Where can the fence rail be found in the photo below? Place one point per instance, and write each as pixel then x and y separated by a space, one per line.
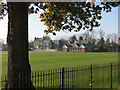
pixel 93 76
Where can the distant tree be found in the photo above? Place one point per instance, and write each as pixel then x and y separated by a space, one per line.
pixel 118 47
pixel 93 34
pixel 101 33
pixel 64 41
pixel 113 40
pixel 46 38
pixel 86 35
pixel 101 45
pixel 72 39
pixel 2 41
pixel 4 47
pixel 107 45
pixel 114 46
pixel 35 38
pixel 80 38
pixel 114 37
pixel 109 36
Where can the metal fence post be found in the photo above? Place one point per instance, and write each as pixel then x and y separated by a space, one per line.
pixel 1 83
pixel 111 75
pixel 91 76
pixel 63 78
pixel 119 72
pixel 19 81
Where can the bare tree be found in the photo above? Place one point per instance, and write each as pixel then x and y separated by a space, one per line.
pixel 86 35
pixel 2 41
pixel 114 37
pixel 93 34
pixel 108 36
pixel 73 39
pixel 101 33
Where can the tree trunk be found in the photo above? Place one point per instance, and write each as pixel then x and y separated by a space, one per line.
pixel 17 40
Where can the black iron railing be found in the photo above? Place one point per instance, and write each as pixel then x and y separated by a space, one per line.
pixel 93 76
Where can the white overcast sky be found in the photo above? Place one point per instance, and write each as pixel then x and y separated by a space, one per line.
pixel 109 24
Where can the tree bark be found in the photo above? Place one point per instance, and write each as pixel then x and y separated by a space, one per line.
pixel 17 39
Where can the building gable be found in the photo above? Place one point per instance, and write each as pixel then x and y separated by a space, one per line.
pixel 65 46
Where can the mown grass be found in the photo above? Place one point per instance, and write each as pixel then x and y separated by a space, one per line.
pixel 53 60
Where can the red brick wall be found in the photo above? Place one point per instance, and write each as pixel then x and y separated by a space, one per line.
pixel 82 50
pixel 65 50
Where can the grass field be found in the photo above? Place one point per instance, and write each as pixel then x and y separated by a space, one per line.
pixel 54 60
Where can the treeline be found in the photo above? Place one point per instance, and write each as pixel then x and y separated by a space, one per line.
pixel 99 41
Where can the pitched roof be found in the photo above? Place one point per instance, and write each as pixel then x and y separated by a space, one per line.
pixel 78 44
pixel 82 46
pixel 75 45
pixel 38 39
pixel 64 46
